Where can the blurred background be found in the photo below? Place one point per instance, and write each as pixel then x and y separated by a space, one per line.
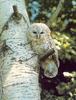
pixel 60 16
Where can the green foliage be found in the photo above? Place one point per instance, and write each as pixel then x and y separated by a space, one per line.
pixel 66 44
pixel 64 34
pixel 42 10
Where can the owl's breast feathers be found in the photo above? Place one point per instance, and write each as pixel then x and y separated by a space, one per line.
pixel 40 46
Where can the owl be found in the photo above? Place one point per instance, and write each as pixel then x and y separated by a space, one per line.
pixel 41 41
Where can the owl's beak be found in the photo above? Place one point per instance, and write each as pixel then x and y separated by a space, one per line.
pixel 38 36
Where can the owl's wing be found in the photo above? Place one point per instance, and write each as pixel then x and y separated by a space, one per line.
pixel 55 54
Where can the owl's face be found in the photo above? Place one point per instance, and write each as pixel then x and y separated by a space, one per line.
pixel 39 31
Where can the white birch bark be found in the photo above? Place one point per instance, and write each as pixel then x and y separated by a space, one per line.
pixel 18 64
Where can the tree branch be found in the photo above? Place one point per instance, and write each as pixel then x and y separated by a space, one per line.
pixel 46 55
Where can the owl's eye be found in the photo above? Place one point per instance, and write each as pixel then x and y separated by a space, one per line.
pixel 42 33
pixel 35 32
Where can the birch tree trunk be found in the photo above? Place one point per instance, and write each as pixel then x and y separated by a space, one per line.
pixel 18 63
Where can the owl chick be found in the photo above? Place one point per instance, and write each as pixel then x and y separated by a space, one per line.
pixel 41 41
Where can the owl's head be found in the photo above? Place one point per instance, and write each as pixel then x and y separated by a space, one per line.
pixel 38 31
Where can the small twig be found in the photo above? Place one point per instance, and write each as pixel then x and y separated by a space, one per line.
pixel 16 13
pixel 47 54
